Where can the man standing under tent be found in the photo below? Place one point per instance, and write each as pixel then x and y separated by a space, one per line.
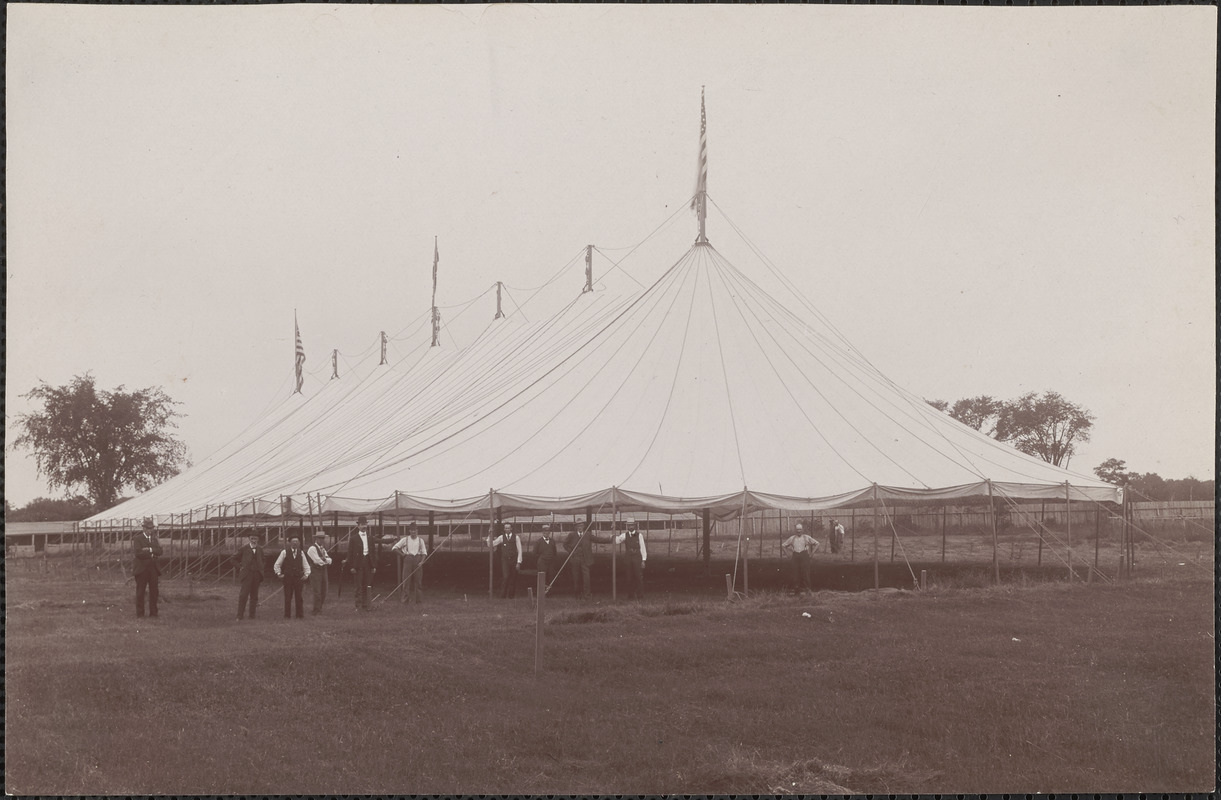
pixel 544 548
pixel 581 558
pixel 362 561
pixel 411 551
pixel 250 568
pixel 145 568
pixel 837 536
pixel 509 545
pixel 320 562
pixel 637 554
pixel 801 545
pixel 292 567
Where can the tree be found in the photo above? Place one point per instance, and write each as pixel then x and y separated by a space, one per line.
pixel 46 509
pixel 1115 470
pixel 1046 425
pixel 101 441
pixel 978 412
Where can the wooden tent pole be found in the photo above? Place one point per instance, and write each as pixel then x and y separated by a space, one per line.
pixel 707 542
pixel 746 548
pixel 996 563
pixel 1068 522
pixel 614 547
pixel 491 532
pixel 876 583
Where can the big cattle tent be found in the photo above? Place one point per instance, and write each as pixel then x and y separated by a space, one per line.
pixel 698 392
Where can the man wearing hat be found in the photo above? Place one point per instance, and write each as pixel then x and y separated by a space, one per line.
pixel 361 561
pixel 145 568
pixel 544 548
pixel 411 551
pixel 637 554
pixel 319 564
pixel 250 568
pixel 510 559
pixel 801 545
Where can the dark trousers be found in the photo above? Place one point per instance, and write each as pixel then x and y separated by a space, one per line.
pixel 362 580
pixel 413 574
pixel 801 564
pixel 292 593
pixel 146 581
pixel 580 578
pixel 318 581
pixel 508 576
pixel 248 593
pixel 635 576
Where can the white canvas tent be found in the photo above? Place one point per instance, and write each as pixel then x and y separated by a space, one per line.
pixel 699 392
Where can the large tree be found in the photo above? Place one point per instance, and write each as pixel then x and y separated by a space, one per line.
pixel 101 441
pixel 1044 425
pixel 1115 470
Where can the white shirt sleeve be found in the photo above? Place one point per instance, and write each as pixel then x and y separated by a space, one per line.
pixel 496 542
pixel 279 561
pixel 644 551
pixel 619 537
pixel 518 540
pixel 305 566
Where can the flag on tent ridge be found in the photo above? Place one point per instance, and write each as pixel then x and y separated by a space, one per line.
pixel 701 177
pixel 300 355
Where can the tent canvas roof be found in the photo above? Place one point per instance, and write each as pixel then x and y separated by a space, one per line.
pixel 701 391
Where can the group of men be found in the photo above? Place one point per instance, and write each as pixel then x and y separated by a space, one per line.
pixel 295 566
pixel 577 552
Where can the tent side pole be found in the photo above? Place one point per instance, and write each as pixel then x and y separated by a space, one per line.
pixel 707 542
pixel 996 563
pixel 876 584
pixel 943 534
pixel 614 547
pixel 1068 522
pixel 491 531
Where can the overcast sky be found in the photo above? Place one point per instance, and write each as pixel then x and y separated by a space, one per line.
pixel 983 200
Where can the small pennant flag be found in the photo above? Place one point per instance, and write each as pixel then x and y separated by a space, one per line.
pixel 701 177
pixel 300 355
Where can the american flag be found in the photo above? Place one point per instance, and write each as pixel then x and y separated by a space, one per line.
pixel 436 256
pixel 701 177
pixel 300 356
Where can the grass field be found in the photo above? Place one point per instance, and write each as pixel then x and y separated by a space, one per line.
pixel 1046 687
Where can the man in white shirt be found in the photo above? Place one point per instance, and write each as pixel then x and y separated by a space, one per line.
pixel 801 545
pixel 292 567
pixel 361 561
pixel 837 536
pixel 319 563
pixel 636 552
pixel 510 559
pixel 411 551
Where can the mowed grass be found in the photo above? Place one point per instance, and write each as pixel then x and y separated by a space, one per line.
pixel 1051 687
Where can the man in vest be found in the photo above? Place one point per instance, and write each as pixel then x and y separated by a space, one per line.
pixel 145 569
pixel 544 548
pixel 319 564
pixel 249 574
pixel 363 555
pixel 581 558
pixel 292 567
pixel 801 545
pixel 637 554
pixel 411 551
pixel 509 545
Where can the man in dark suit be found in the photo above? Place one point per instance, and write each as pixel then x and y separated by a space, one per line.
pixel 544 548
pixel 145 568
pixel 361 561
pixel 250 575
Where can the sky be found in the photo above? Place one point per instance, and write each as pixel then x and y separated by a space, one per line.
pixel 983 200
